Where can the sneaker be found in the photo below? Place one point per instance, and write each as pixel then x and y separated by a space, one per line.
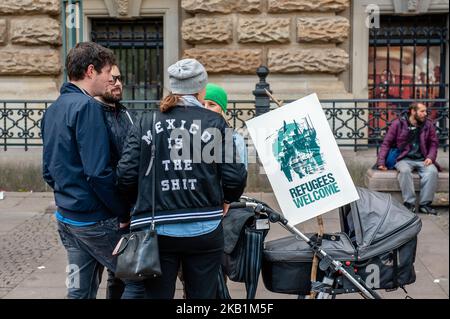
pixel 410 207
pixel 426 209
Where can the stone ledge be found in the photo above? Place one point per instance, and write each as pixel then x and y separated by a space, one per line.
pixel 17 86
pixel 386 181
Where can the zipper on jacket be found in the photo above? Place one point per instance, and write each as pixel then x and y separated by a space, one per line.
pixel 116 124
pixel 129 117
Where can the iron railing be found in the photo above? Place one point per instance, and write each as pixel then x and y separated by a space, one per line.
pixel 407 57
pixel 356 123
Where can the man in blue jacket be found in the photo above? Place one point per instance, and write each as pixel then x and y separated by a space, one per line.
pixel 76 164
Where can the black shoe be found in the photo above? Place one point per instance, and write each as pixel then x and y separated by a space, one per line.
pixel 410 207
pixel 426 209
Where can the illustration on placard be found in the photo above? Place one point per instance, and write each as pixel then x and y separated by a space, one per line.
pixel 297 149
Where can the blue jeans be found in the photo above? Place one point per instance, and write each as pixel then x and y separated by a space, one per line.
pixel 428 181
pixel 89 249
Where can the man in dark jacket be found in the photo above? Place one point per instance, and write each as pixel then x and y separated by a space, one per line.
pixel 76 164
pixel 118 121
pixel 416 136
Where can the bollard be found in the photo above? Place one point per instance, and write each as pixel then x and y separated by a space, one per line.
pixel 262 100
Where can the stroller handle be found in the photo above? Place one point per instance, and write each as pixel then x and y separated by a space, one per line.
pixel 274 216
pixel 238 205
pixel 335 265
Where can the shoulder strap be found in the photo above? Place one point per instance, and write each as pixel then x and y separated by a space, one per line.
pixel 154 171
pixel 150 165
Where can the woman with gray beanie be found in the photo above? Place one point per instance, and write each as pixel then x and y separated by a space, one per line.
pixel 194 176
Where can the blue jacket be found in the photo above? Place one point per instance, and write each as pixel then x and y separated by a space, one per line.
pixel 76 158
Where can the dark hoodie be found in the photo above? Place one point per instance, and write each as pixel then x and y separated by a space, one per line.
pixel 76 158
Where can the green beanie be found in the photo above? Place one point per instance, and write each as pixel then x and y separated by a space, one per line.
pixel 217 94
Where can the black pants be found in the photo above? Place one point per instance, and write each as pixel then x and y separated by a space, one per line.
pixel 200 258
pixel 114 286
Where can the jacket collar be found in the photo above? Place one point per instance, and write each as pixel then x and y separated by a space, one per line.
pixel 405 120
pixel 69 87
pixel 113 109
pixel 191 101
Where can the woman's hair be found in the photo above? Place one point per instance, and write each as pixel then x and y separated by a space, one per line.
pixel 224 115
pixel 171 100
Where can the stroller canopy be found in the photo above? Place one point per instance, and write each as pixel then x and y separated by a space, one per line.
pixel 378 222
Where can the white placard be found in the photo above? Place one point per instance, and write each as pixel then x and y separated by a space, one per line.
pixel 302 160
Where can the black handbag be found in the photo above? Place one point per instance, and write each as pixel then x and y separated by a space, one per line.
pixel 138 252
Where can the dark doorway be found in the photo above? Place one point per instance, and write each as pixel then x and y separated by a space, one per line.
pixel 138 46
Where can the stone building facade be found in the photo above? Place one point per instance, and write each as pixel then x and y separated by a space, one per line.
pixel 309 45
pixel 319 46
pixel 303 43
pixel 30 49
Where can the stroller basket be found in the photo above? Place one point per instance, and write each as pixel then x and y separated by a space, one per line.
pixel 378 240
pixel 375 249
pixel 287 262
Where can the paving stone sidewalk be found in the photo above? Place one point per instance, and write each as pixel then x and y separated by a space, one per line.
pixel 33 261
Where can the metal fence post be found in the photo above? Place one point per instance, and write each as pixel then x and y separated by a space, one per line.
pixel 262 100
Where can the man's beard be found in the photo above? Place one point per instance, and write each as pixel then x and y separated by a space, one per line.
pixel 419 120
pixel 108 97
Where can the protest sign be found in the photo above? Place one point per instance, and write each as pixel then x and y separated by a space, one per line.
pixel 302 160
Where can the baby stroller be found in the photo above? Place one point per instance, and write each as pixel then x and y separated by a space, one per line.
pixel 375 249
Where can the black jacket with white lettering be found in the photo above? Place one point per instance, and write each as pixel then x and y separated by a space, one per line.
pixel 192 186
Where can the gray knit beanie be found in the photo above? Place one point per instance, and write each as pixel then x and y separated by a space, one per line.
pixel 187 76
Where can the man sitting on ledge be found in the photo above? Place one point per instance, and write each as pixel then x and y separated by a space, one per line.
pixel 416 136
